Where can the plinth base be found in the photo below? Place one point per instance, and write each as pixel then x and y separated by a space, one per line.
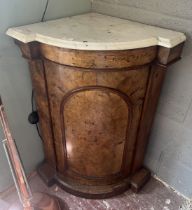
pixel 136 182
pixel 139 179
pixel 95 192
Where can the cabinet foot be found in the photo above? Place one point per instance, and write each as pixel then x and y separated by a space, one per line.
pixel 94 192
pixel 51 177
pixel 139 179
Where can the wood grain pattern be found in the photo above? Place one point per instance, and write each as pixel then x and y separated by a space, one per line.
pixel 96 110
pixel 131 83
pixel 95 121
pixel 156 78
pixel 99 59
pixel 29 51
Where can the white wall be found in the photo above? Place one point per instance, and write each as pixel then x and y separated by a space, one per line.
pixel 170 149
pixel 15 83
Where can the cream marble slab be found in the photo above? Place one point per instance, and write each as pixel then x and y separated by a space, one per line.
pixel 94 31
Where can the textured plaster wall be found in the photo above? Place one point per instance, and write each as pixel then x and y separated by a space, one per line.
pixel 15 83
pixel 170 149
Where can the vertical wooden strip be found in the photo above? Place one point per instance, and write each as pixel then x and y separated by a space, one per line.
pixel 41 96
pixel 156 79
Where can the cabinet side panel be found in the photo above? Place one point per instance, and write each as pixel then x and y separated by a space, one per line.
pixel 155 82
pixel 39 85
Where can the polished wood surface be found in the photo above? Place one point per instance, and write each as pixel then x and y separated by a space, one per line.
pixel 95 117
pixel 96 111
pixel 99 59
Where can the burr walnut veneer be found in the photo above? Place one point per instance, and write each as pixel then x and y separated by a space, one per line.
pixel 96 110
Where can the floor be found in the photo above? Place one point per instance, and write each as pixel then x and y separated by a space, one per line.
pixel 154 196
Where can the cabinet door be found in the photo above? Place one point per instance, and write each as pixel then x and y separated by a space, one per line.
pixel 95 116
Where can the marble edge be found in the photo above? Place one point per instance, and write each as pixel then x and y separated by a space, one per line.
pixel 12 32
pixel 153 41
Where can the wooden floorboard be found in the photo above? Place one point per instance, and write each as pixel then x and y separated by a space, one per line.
pixel 154 196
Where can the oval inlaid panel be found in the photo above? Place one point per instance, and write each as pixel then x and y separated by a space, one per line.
pixel 95 123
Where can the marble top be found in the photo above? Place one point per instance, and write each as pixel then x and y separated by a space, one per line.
pixel 94 31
